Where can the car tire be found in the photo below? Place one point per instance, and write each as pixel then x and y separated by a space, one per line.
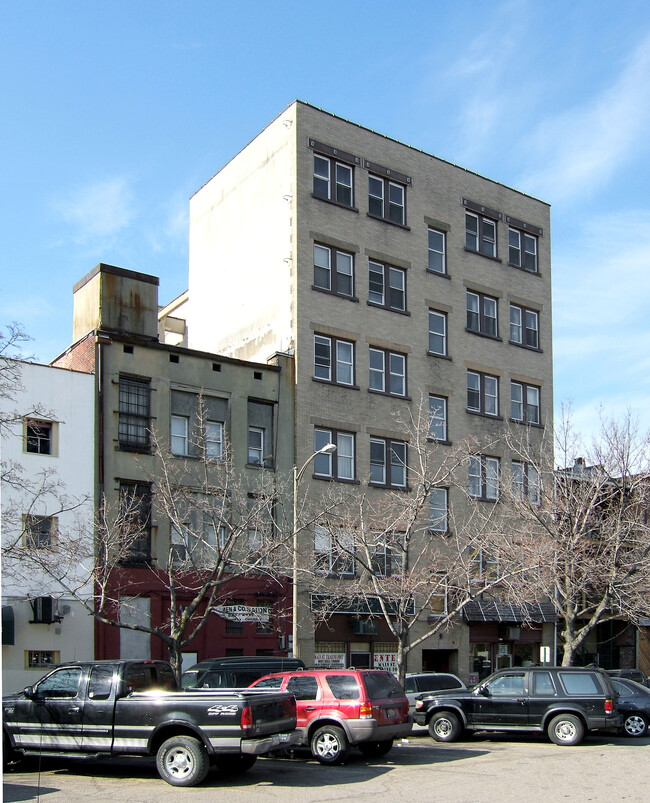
pixel 234 765
pixel 376 748
pixel 444 726
pixel 329 745
pixel 634 725
pixel 566 730
pixel 182 761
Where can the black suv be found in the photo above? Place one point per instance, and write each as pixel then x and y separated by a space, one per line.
pixel 564 702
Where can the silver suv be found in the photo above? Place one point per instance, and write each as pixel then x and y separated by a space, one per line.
pixel 417 683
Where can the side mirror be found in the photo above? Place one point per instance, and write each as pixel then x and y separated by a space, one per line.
pixel 29 692
pixel 485 691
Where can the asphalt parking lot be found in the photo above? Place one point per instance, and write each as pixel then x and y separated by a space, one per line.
pixel 482 769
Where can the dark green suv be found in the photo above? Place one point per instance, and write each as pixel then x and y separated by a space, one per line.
pixel 563 702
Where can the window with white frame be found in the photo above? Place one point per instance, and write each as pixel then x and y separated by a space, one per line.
pixel 483 477
pixel 260 433
pixel 333 180
pixel 482 315
pixel 485 566
pixel 524 326
pixel 386 286
pixel 333 360
pixel 525 482
pixel 214 440
pixel 39 531
pixel 387 372
pixel 439 510
pixel 480 234
pixel 437 333
pixel 386 199
pixel 255 446
pixel 437 417
pixel 180 425
pixel 387 463
pixel 387 555
pixel 333 270
pixel 437 251
pixel 339 465
pixel 334 551
pixel 482 393
pixel 524 403
pixel 522 250
pixel 438 601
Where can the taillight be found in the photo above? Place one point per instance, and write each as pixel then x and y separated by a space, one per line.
pixel 609 706
pixel 246 718
pixel 365 710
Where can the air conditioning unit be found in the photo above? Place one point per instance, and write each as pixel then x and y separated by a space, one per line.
pixel 365 627
pixel 513 633
pixel 44 610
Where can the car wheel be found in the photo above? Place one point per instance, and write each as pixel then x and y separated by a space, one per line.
pixel 635 725
pixel 445 727
pixel 182 761
pixel 234 765
pixel 375 749
pixel 329 745
pixel 566 729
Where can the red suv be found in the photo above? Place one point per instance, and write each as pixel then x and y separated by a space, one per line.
pixel 338 708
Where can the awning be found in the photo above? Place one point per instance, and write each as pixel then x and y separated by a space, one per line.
pixel 355 606
pixel 490 611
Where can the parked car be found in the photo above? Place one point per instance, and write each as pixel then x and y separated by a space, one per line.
pixel 339 708
pixel 236 672
pixel 629 674
pixel 417 683
pixel 634 706
pixel 564 702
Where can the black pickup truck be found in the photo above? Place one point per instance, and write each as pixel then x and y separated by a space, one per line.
pixel 133 707
pixel 564 702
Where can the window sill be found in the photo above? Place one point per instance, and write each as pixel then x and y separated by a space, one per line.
pixel 327 292
pixel 525 423
pixel 388 309
pixel 260 466
pixel 484 415
pixel 334 384
pixel 390 222
pixel 484 334
pixel 445 442
pixel 444 275
pixel 334 479
pixel 481 254
pixel 439 356
pixel 386 487
pixel 524 346
pixel 331 202
pixel 524 270
pixel 125 447
pixel 389 395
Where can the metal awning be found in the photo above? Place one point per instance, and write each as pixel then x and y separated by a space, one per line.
pixel 355 606
pixel 490 611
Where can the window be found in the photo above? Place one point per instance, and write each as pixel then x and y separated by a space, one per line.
pixel 437 251
pixel 438 333
pixel 386 200
pixel 483 477
pixel 482 393
pixel 134 413
pixel 201 538
pixel 438 418
pixel 439 510
pixel 524 403
pixel 507 686
pixel 39 437
pixel 214 439
pixel 39 531
pixel 135 515
pixel 485 566
pixel 334 551
pixel 340 464
pixel 260 434
pixel 387 286
pixel 333 180
pixel 387 556
pixel 333 360
pixel 179 434
pixel 387 463
pixel 438 607
pixel 524 326
pixel 482 314
pixel 333 270
pixel 522 250
pixel 525 482
pixel 387 372
pixel 41 659
pixel 480 234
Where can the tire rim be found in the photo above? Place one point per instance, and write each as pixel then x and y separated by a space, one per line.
pixel 565 730
pixel 443 727
pixel 634 725
pixel 179 763
pixel 327 746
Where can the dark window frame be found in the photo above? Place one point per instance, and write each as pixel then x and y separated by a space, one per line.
pixel 387 206
pixel 386 287
pixel 387 373
pixel 334 361
pixel 484 479
pixel 337 278
pixel 518 255
pixel 480 235
pixel 480 315
pixel 390 448
pixel 134 413
pixel 481 390
pixel 526 407
pixel 523 328
pixel 333 460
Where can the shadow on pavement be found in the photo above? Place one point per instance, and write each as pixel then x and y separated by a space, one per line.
pixel 12 793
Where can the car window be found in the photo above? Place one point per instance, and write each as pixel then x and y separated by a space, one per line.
pixel 580 683
pixel 101 682
pixel 507 685
pixel 543 683
pixel 439 682
pixel 382 684
pixel 303 687
pixel 410 685
pixel 269 683
pixel 343 687
pixel 62 683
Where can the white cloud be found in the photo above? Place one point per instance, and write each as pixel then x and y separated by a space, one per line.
pixel 97 211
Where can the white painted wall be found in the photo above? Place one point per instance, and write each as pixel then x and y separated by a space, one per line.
pixel 66 398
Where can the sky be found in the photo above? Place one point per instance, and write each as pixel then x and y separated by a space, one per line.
pixel 113 114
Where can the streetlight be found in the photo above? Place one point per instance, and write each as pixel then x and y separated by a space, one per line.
pixel 329 448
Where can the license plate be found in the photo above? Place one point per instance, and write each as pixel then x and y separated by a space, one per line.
pixel 390 713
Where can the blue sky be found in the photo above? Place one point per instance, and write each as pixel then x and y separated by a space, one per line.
pixel 115 113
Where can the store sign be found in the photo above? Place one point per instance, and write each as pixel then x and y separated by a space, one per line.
pixel 329 660
pixel 385 660
pixel 243 613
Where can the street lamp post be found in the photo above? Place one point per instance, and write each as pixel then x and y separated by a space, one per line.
pixel 329 448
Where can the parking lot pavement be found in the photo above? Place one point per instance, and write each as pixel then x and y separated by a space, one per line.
pixel 482 769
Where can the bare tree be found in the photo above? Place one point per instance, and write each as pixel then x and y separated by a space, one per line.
pixel 590 517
